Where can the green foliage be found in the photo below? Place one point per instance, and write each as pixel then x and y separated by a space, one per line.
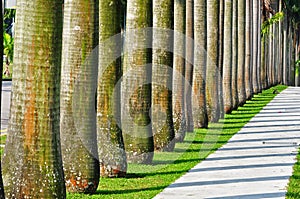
pixel 297 67
pixel 8 16
pixel 8 41
pixel 292 8
pixel 8 46
pixel 265 30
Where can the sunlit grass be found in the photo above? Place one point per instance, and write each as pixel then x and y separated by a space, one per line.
pixel 145 181
pixel 293 190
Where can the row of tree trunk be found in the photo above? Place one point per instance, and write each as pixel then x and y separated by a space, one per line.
pixel 199 60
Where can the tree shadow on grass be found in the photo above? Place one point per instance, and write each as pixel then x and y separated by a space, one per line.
pixel 127 191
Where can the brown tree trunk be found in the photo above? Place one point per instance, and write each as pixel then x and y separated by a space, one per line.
pixel 199 77
pixel 212 78
pixel 227 64
pixel 189 64
pixel 32 163
pixel 162 70
pixel 78 116
pixel 241 52
pixel 179 119
pixel 235 99
pixel 248 63
pixel 112 156
pixel 136 84
pixel 1 69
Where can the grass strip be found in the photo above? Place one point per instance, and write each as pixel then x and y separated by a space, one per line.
pixel 146 181
pixel 293 189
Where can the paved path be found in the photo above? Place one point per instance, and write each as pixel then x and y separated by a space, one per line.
pixel 256 162
pixel 5 105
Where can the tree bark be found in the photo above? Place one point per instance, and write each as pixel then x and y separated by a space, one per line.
pixel 199 77
pixel 255 30
pixel 136 84
pixel 112 156
pixel 1 69
pixel 77 121
pixel 227 63
pixel 178 101
pixel 189 64
pixel 248 63
pixel 235 98
pixel 241 52
pixel 212 78
pixel 32 163
pixel 162 70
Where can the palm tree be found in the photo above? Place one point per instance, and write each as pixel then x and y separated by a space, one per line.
pixel 235 99
pixel 32 163
pixel 111 149
pixel 162 65
pixel 227 63
pixel 241 52
pixel 1 69
pixel 199 77
pixel 248 52
pixel 189 64
pixel 221 55
pixel 255 30
pixel 259 47
pixel 78 123
pixel 212 78
pixel 179 119
pixel 136 87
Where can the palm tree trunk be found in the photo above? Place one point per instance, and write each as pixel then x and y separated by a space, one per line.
pixel 112 156
pixel 235 99
pixel 259 42
pixel 255 30
pixel 78 123
pixel 241 52
pixel 248 63
pixel 32 163
pixel 227 64
pixel 1 69
pixel 221 56
pixel 199 77
pixel 292 55
pixel 189 65
pixel 179 119
pixel 136 84
pixel 285 53
pixel 162 69
pixel 212 78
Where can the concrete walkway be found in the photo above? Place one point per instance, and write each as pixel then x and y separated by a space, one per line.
pixel 256 162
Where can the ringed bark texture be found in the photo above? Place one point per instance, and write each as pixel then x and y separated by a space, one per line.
pixel 112 156
pixel 212 76
pixel 162 70
pixel 136 83
pixel 1 69
pixel 241 52
pixel 248 52
pixel 179 119
pixel 255 30
pixel 235 98
pixel 227 62
pixel 189 64
pixel 78 118
pixel 32 163
pixel 199 77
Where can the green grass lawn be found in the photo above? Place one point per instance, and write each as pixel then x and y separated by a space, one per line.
pixel 293 191
pixel 145 181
